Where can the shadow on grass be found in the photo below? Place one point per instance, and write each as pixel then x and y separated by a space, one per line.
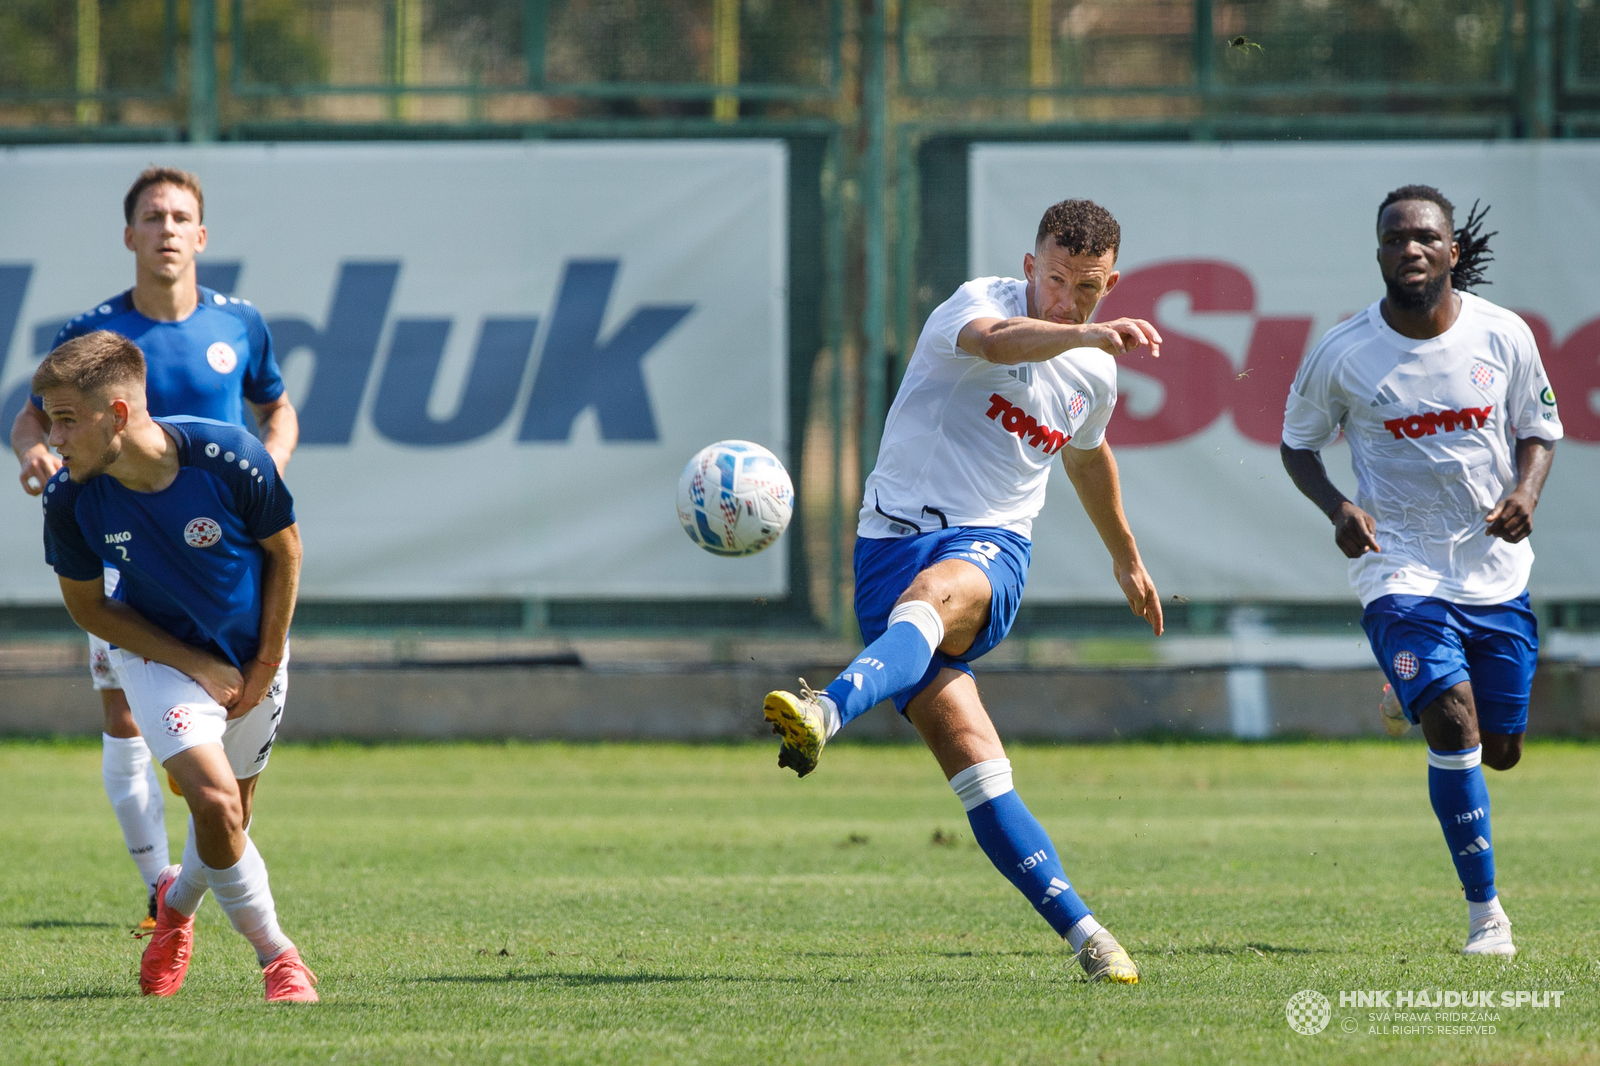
pixel 913 953
pixel 1246 949
pixel 599 980
pixel 63 923
pixel 60 997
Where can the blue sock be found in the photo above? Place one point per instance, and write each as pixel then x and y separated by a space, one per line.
pixel 891 664
pixel 1017 844
pixel 1461 802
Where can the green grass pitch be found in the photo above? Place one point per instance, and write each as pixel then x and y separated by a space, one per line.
pixel 651 903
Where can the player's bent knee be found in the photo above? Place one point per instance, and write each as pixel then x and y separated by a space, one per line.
pixel 1502 753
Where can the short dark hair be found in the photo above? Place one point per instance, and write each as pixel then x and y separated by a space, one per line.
pixel 1475 255
pixel 1081 227
pixel 153 175
pixel 91 364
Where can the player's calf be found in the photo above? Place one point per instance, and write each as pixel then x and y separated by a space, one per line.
pixel 1021 850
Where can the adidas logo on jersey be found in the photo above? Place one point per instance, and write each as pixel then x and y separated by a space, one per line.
pixel 1385 395
pixel 1431 422
pixel 1014 419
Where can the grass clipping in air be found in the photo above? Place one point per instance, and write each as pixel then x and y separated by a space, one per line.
pixel 648 903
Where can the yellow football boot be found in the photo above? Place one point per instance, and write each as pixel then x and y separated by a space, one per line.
pixel 1395 722
pixel 1103 959
pixel 799 721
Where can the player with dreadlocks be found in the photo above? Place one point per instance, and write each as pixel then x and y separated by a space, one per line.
pixel 1452 428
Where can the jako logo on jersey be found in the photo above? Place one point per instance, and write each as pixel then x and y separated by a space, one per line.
pixel 177 721
pixel 221 356
pixel 1431 422
pixel 118 538
pixel 1406 665
pixel 202 533
pixel 1015 420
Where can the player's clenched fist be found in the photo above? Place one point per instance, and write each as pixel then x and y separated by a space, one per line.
pixel 1122 335
pixel 39 465
pixel 1354 530
pixel 220 679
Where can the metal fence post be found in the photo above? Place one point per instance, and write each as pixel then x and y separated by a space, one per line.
pixel 874 106
pixel 1540 116
pixel 1041 60
pixel 725 58
pixel 202 71
pixel 88 80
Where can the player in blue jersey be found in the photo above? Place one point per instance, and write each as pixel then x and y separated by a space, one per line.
pixel 196 519
pixel 208 355
pixel 1007 374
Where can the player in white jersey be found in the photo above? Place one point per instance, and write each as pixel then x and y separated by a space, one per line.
pixel 1007 375
pixel 1452 427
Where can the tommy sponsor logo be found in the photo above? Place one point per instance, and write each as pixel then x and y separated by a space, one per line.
pixel 202 533
pixel 1015 420
pixel 1431 422
pixel 1477 847
pixel 177 721
pixel 1406 665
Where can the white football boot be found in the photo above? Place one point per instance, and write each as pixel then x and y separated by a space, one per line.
pixel 1492 936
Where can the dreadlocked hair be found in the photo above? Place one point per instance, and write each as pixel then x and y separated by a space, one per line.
pixel 1470 238
pixel 1474 244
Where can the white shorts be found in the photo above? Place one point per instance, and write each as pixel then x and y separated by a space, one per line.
pixel 101 672
pixel 174 713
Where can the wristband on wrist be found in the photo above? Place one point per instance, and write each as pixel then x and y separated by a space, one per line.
pixel 264 662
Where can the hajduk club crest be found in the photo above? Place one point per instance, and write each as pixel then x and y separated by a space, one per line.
pixel 202 533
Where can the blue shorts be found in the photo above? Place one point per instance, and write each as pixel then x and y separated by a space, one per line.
pixel 886 567
pixel 1427 646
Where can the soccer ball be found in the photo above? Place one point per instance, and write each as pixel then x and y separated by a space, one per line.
pixel 735 498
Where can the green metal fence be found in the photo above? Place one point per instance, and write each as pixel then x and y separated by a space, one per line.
pixel 878 100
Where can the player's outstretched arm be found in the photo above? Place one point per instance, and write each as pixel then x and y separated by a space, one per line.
pixel 1512 518
pixel 1354 530
pixel 1093 474
pixel 29 433
pixel 116 623
pixel 280 587
pixel 1009 341
pixel 280 429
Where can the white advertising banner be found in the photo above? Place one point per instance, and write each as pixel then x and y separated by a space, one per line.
pixel 1243 256
pixel 502 355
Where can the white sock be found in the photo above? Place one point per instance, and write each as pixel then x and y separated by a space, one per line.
pixel 830 714
pixel 982 782
pixel 245 897
pixel 1478 914
pixel 1080 933
pixel 135 794
pixel 184 894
